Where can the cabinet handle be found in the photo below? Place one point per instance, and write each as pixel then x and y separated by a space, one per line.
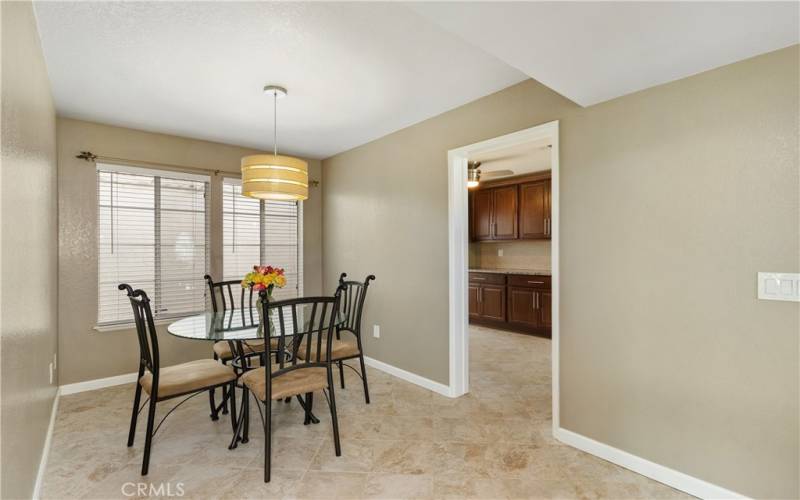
pixel 547 226
pixel 536 282
pixel 477 278
pixel 533 304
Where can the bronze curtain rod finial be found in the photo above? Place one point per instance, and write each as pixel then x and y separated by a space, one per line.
pixel 87 155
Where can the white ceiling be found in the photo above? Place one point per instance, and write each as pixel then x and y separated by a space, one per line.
pixel 358 71
pixel 594 51
pixel 354 71
pixel 514 160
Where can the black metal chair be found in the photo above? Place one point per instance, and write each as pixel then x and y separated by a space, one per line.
pixel 294 375
pixel 222 298
pixel 353 295
pixel 186 379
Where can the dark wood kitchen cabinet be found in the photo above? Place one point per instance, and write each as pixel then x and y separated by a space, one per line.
pixel 534 210
pixel 493 214
pixel 511 209
pixel 481 215
pixel 487 296
pixel 516 302
pixel 504 213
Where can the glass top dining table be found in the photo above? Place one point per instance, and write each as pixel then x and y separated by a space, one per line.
pixel 242 324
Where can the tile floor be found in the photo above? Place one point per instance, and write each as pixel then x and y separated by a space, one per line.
pixel 409 443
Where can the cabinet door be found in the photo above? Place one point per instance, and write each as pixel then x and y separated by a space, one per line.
pixel 471 215
pixel 482 215
pixel 505 213
pixel 522 306
pixel 533 209
pixel 493 302
pixel 474 304
pixel 545 309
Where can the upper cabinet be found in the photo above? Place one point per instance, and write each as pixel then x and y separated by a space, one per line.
pixel 511 209
pixel 505 213
pixel 493 214
pixel 534 210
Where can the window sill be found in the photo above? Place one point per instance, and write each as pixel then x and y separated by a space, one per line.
pixel 131 325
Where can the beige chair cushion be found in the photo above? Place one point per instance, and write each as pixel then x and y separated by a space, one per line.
pixel 188 377
pixel 223 349
pixel 340 349
pixel 298 381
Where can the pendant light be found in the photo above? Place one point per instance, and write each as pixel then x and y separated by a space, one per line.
pixel 274 177
pixel 473 174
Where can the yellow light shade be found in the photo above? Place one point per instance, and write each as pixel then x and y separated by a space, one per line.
pixel 274 177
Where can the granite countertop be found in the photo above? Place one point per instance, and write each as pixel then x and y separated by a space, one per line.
pixel 530 272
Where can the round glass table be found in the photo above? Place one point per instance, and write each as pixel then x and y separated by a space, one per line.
pixel 238 326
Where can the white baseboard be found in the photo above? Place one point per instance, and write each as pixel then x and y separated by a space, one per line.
pixel 37 487
pixel 660 473
pixel 99 383
pixel 429 384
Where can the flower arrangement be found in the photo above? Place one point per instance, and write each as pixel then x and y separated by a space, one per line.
pixel 264 278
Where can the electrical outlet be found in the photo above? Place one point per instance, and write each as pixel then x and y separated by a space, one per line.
pixel 51 373
pixel 376 331
pixel 499 252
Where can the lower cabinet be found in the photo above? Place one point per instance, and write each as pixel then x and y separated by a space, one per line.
pixel 528 307
pixel 487 302
pixel 493 302
pixel 514 302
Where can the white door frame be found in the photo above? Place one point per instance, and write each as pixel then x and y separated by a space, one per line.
pixel 458 222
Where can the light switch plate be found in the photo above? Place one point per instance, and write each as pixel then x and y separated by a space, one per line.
pixel 779 286
pixel 376 331
pixel 499 252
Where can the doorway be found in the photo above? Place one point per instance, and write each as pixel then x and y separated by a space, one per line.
pixel 458 229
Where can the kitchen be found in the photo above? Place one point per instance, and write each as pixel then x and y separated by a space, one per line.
pixel 509 239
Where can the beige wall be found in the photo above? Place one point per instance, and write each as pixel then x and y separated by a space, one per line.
pixel 28 314
pixel 86 354
pixel 671 200
pixel 522 254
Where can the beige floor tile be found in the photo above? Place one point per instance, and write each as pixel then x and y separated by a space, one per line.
pixel 397 486
pixel 317 484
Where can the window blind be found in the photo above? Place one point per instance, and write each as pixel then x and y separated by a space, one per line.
pixel 153 235
pixel 261 232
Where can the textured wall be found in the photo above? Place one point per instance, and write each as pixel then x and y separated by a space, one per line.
pixel 28 310
pixel 85 353
pixel 671 200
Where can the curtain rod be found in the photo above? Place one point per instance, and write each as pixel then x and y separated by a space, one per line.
pixel 93 158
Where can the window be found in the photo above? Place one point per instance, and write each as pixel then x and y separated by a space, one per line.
pixel 153 235
pixel 261 232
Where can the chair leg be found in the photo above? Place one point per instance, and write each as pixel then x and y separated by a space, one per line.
pixel 224 392
pixel 364 378
pixel 341 373
pixel 309 404
pixel 232 399
pixel 246 416
pixel 267 439
pixel 148 440
pixel 334 419
pixel 213 404
pixel 134 414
